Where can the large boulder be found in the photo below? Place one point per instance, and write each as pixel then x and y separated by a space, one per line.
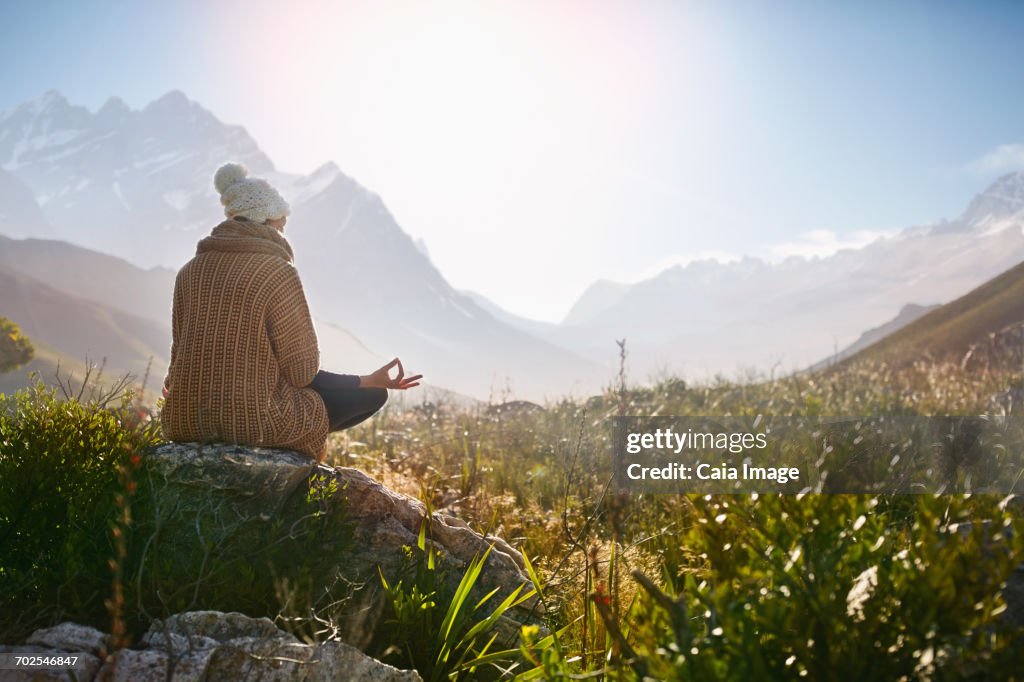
pixel 206 495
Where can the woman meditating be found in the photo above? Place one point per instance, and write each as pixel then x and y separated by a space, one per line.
pixel 245 364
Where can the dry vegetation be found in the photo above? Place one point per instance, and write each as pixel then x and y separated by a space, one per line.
pixel 724 587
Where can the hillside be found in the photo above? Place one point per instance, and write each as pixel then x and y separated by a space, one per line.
pixel 907 314
pixel 949 331
pixel 49 364
pixel 87 273
pixel 71 329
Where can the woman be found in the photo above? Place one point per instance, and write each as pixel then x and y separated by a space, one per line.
pixel 245 364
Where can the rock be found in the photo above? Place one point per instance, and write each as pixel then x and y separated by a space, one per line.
pixel 146 665
pixel 340 661
pixel 70 637
pixel 209 645
pixel 199 646
pixel 211 494
pixel 129 665
pixel 213 627
pixel 258 480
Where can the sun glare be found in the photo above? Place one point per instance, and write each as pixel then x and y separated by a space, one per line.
pixel 517 126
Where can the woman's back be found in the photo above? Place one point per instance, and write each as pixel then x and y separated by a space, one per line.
pixel 244 346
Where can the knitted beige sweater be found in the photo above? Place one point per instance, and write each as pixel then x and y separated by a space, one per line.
pixel 244 347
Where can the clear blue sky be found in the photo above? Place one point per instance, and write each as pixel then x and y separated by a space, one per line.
pixel 578 140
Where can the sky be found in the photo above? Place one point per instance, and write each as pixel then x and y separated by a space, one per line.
pixel 538 146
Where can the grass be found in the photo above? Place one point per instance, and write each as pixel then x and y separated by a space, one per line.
pixel 673 587
pixel 722 586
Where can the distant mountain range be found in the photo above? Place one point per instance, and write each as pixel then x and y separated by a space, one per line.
pixel 710 317
pixel 136 186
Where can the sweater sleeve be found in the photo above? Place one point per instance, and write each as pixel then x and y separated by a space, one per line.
pixel 291 331
pixel 176 315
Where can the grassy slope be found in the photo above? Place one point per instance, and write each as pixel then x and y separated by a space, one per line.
pixel 949 331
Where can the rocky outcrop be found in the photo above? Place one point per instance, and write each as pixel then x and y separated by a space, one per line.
pixel 231 491
pixel 198 646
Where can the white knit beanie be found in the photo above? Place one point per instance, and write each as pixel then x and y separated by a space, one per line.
pixel 251 198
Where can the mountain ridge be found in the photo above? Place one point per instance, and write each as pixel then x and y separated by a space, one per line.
pixel 948 332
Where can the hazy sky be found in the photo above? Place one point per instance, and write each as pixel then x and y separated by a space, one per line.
pixel 538 146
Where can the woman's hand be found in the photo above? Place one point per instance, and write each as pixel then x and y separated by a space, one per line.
pixel 382 378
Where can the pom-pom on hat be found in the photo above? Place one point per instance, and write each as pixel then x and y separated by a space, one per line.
pixel 251 198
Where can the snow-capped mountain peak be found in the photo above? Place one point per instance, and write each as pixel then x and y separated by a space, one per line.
pixel 173 100
pixel 113 107
pixel 1003 198
pixel 49 101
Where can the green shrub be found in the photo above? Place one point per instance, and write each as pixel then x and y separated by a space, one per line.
pixel 59 464
pixel 15 348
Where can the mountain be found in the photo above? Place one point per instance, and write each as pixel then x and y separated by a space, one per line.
pixel 20 215
pixel 1001 203
pixel 122 181
pixel 342 352
pixel 598 297
pixel 710 317
pixel 907 314
pixel 948 332
pixel 525 324
pixel 90 274
pixel 137 184
pixel 362 271
pixel 78 328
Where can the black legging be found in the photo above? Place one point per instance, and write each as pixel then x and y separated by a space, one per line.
pixel 347 404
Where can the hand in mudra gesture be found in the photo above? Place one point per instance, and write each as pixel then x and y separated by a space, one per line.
pixel 382 378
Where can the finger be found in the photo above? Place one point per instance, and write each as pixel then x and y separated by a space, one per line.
pixel 405 386
pixel 401 370
pixel 387 367
pixel 417 377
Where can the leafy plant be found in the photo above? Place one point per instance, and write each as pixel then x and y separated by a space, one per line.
pixel 456 642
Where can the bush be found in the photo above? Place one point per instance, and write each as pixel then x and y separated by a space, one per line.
pixel 15 348
pixel 59 467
